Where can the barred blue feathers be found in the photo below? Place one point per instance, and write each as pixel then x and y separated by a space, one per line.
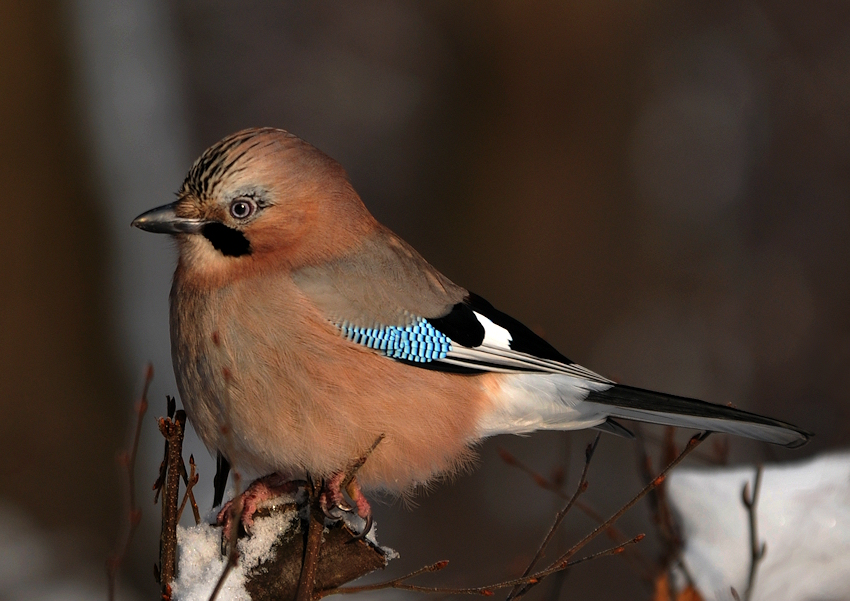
pixel 420 342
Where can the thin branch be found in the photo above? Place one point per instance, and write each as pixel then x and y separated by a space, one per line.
pixel 633 556
pixel 315 525
pixel 693 443
pixel 170 409
pixel 559 518
pixel 172 430
pixel 546 484
pixel 140 410
pixel 235 509
pixel 487 591
pixel 662 514
pixel 349 590
pixel 190 495
pixel 716 455
pixel 351 470
pixel 612 551
pixel 191 481
pixel 127 460
pixel 757 551
pixel 232 559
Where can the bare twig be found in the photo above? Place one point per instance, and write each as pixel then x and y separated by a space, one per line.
pixel 235 510
pixel 127 460
pixel 487 591
pixel 693 443
pixel 561 562
pixel 757 551
pixel 315 521
pixel 191 481
pixel 559 518
pixel 170 409
pixel 546 484
pixel 171 470
pixel 190 495
pixel 232 559
pixel 348 590
pixel 662 514
pixel 716 454
pixel 611 551
pixel 353 467
pixel 633 554
pixel 315 525
pixel 172 430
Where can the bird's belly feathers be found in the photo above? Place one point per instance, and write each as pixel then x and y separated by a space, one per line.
pixel 276 388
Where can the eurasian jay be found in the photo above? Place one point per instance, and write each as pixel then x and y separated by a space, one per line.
pixel 303 331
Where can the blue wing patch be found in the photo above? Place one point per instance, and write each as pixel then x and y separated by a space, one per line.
pixel 420 342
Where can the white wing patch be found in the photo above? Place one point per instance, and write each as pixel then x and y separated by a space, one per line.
pixel 494 335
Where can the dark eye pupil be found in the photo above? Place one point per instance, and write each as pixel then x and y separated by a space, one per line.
pixel 240 209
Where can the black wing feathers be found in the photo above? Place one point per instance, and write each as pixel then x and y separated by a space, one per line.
pixel 523 340
pixel 463 327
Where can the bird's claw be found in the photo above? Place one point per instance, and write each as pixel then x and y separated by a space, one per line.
pixel 332 500
pixel 330 509
pixel 365 532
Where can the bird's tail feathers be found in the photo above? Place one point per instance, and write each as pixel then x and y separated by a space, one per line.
pixel 617 429
pixel 627 402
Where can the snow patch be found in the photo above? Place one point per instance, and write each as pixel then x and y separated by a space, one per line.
pixel 803 514
pixel 200 562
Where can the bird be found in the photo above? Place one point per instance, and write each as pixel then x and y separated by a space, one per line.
pixel 308 339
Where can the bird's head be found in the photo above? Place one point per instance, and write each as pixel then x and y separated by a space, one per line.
pixel 261 195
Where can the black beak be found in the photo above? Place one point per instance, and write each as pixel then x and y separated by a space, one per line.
pixel 163 220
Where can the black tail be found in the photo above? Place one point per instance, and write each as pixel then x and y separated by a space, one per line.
pixel 222 469
pixel 646 406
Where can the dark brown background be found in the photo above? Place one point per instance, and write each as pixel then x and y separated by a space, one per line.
pixel 662 190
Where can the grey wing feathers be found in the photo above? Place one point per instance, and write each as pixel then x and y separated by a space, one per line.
pixel 384 283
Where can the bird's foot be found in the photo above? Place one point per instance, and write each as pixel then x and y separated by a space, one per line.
pixel 247 503
pixel 332 499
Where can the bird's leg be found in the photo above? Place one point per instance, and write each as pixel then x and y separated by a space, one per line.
pixel 261 489
pixel 364 510
pixel 332 496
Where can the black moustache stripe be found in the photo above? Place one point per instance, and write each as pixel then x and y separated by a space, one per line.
pixel 226 240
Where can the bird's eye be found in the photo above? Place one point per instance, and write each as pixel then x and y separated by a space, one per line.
pixel 242 208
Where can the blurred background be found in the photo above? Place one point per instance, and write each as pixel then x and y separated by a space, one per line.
pixel 661 189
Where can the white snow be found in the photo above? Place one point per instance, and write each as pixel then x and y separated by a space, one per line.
pixel 200 562
pixel 803 514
